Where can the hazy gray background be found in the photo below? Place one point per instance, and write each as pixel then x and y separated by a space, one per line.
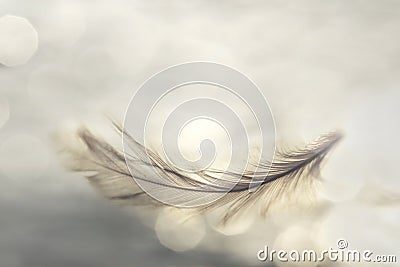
pixel 322 65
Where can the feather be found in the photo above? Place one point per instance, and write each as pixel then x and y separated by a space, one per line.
pixel 106 169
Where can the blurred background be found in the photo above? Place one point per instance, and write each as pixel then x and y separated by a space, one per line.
pixel 322 65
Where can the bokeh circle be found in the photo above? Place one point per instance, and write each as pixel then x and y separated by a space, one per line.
pixel 219 99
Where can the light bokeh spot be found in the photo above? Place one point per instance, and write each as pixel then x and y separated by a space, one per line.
pixel 18 40
pixel 4 111
pixel 178 231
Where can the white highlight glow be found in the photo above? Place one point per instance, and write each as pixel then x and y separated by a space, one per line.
pixel 18 40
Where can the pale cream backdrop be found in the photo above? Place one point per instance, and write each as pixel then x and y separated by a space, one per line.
pixel 322 65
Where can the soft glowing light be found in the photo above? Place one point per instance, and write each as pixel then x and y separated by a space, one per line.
pixel 179 231
pixel 18 41
pixel 4 111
